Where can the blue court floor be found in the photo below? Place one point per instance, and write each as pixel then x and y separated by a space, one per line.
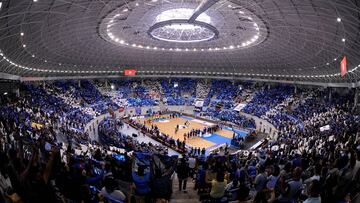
pixel 187 118
pixel 218 139
pixel 239 132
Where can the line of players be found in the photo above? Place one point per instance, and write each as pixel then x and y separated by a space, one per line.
pixel 150 120
pixel 198 132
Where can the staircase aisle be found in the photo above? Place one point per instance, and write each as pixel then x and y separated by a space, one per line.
pixel 181 197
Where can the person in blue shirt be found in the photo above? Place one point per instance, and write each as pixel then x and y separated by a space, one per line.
pixel 251 170
pixel 141 180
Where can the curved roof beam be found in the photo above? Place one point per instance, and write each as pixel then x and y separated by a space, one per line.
pixel 203 6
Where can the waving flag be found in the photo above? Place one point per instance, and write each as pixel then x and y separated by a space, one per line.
pixel 129 72
pixel 343 67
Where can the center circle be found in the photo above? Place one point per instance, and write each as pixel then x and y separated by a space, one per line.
pixel 181 31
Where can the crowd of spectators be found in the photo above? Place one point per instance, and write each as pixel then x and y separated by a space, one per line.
pixel 304 163
pixel 229 116
pixel 266 99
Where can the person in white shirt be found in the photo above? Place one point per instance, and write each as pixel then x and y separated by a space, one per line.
pixel 316 176
pixel 109 191
pixel 5 183
pixel 192 165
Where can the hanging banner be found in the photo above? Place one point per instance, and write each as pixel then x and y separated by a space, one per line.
pixel 343 67
pixel 129 72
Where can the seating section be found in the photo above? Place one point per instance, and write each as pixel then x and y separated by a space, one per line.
pixel 46 156
pixel 266 99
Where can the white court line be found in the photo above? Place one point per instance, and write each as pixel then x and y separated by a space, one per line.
pixel 203 122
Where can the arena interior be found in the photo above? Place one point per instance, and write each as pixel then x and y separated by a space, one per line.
pixel 180 101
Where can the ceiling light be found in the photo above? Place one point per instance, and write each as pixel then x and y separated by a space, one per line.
pixel 22 34
pixel 125 10
pixel 338 20
pixel 35 0
pixel 137 4
pixel 343 40
pixel 181 13
pixel 24 45
pixel 327 64
pixel 33 55
pixel 335 59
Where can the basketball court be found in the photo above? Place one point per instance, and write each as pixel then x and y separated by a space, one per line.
pixel 168 125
